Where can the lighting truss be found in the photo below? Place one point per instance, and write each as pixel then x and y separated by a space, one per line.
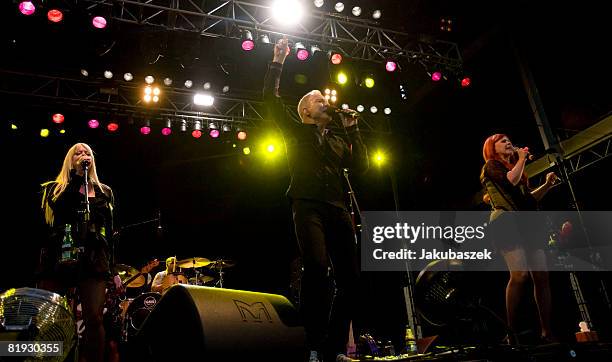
pixel 122 99
pixel 361 39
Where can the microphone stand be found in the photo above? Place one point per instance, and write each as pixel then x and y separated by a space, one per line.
pixel 353 205
pixel 85 212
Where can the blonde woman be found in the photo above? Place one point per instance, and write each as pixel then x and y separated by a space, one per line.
pixel 63 203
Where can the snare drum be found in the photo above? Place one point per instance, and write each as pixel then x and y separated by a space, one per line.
pixel 137 312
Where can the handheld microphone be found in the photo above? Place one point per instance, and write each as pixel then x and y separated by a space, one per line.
pixel 530 157
pixel 85 163
pixel 335 111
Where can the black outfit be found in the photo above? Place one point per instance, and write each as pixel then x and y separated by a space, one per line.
pixel 91 274
pixel 526 230
pixel 323 225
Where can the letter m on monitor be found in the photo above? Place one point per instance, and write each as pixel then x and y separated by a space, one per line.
pixel 254 312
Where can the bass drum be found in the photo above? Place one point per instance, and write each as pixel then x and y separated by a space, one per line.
pixel 137 312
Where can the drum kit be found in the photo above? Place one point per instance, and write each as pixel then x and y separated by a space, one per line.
pixel 192 271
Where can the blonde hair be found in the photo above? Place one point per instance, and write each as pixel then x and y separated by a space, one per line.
pixel 169 260
pixel 304 102
pixel 63 179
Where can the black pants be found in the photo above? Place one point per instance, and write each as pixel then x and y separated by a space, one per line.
pixel 325 234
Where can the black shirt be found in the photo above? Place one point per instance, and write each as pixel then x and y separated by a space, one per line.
pixel 503 194
pixel 316 161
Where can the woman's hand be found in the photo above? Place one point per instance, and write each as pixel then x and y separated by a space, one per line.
pixel 281 50
pixel 551 178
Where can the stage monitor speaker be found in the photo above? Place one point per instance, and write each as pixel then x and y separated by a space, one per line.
pixel 214 324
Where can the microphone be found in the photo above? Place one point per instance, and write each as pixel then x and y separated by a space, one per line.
pixel 85 163
pixel 335 111
pixel 530 157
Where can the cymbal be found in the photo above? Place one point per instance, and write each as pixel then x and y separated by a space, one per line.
pixel 127 272
pixel 202 279
pixel 221 264
pixel 193 263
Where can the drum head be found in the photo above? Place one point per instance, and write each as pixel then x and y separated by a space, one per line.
pixel 140 308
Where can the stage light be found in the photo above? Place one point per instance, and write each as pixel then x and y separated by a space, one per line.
pixel 376 14
pixel 465 82
pixel 146 128
pixel 264 38
pixel 84 73
pixel 128 77
pixel 241 135
pixel 247 41
pixel 360 108
pixel 339 7
pixel 368 81
pixel 14 126
pixel 436 76
pixel 345 106
pixel 211 125
pixel 226 128
pixel 336 58
pixel 333 99
pixel 99 22
pixel 342 78
pixel 62 131
pixel 319 3
pixel 314 49
pixel 356 11
pixel 203 99
pixel 197 129
pixel 300 78
pixel 151 94
pixel 55 15
pixel 214 133
pixel 183 125
pixel 44 133
pixel 93 123
pixel 58 118
pixel 373 109
pixel 301 52
pixel 188 83
pixel 167 130
pixel 168 81
pixel 27 8
pixel 108 74
pixel 287 12
pixel 270 148
pixel 207 85
pixel 387 110
pixel 149 79
pixel 380 158
pixel 246 151
pixel 226 89
pixel 112 127
pixel 390 66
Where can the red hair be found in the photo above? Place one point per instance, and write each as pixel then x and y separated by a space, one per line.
pixel 488 153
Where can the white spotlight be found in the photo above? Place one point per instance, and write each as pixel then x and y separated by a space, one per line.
pixel 356 11
pixel 377 14
pixel 207 85
pixel 84 73
pixel 345 106
pixel 360 108
pixel 128 77
pixel 188 83
pixel 226 89
pixel 387 110
pixel 203 99
pixel 288 12
pixel 339 7
pixel 319 3
pixel 168 81
pixel 149 79
pixel 108 74
pixel 373 109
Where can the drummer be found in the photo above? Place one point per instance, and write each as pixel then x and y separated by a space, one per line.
pixel 158 282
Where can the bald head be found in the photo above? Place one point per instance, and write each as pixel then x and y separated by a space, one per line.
pixel 312 107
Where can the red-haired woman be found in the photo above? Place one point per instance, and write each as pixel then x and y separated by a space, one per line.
pixel 507 189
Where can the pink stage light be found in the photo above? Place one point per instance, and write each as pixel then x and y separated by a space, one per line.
pixel 196 133
pixel 436 76
pixel 27 8
pixel 248 45
pixel 145 130
pixel 166 131
pixel 93 123
pixel 242 135
pixel 390 66
pixel 465 82
pixel 336 58
pixel 303 54
pixel 214 133
pixel 99 22
pixel 55 16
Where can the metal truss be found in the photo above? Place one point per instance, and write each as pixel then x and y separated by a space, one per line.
pixel 357 38
pixel 124 99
